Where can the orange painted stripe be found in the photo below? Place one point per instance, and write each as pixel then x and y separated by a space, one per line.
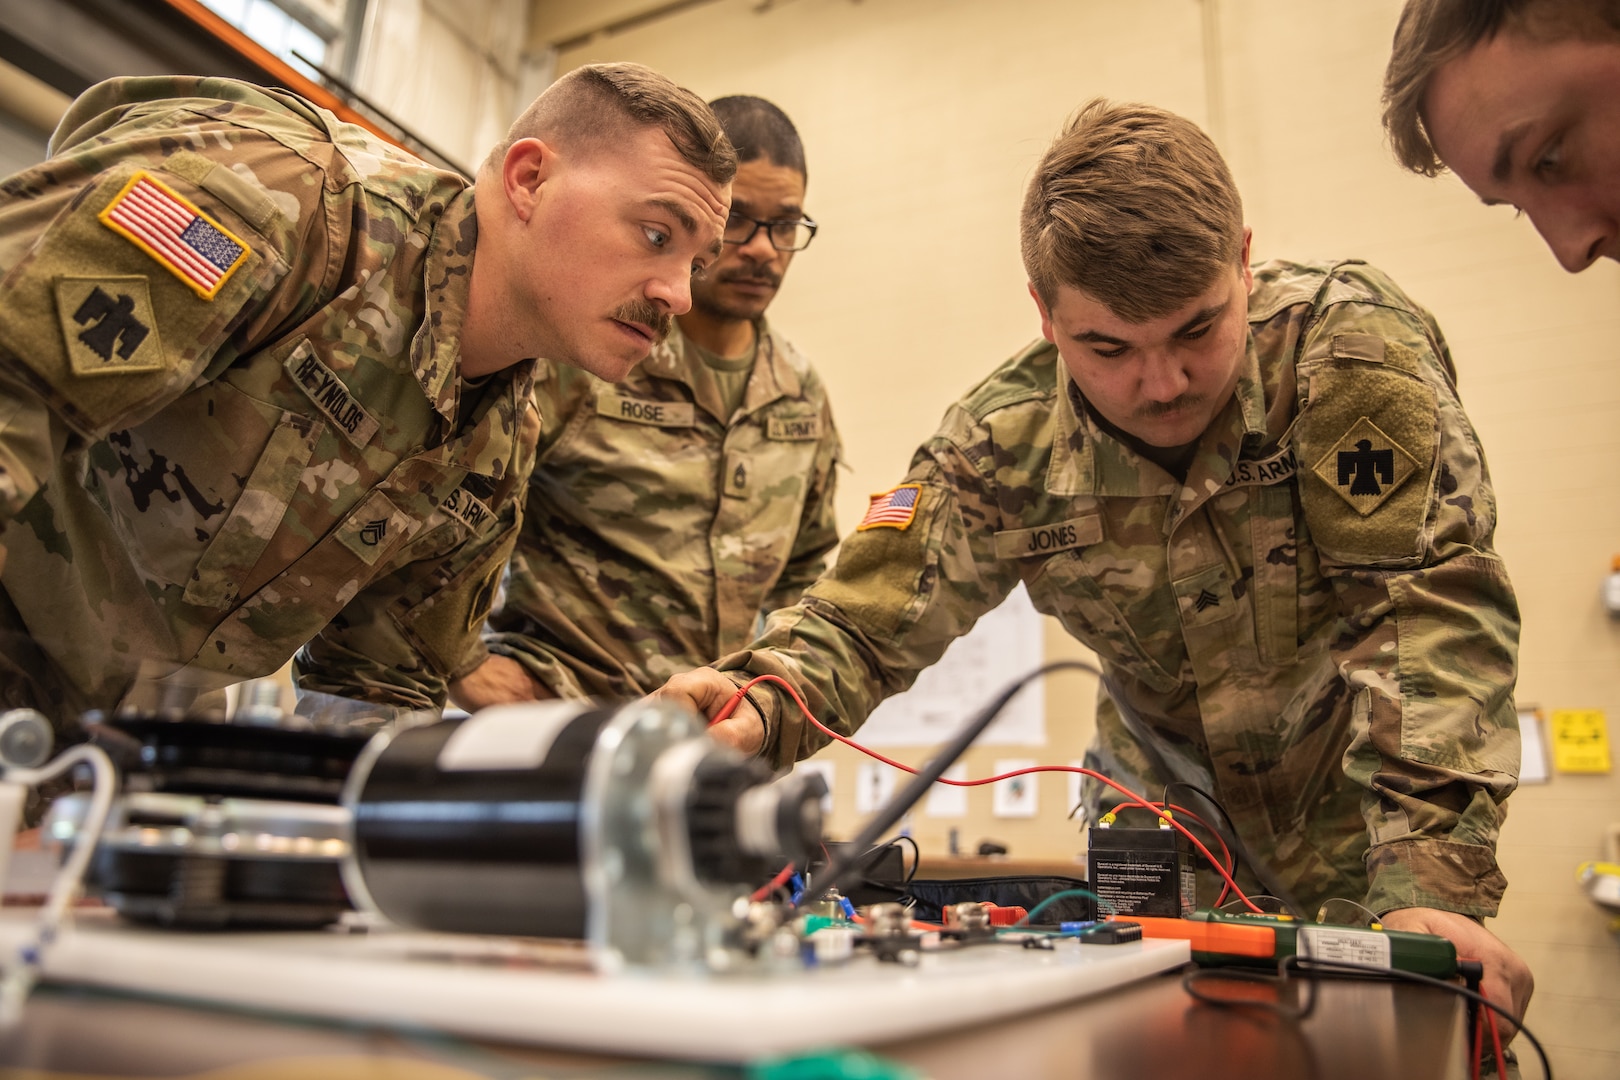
pixel 287 75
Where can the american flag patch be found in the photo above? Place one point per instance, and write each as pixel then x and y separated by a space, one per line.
pixel 195 248
pixel 891 509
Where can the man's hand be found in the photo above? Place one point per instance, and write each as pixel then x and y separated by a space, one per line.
pixel 1508 981
pixel 500 680
pixel 705 691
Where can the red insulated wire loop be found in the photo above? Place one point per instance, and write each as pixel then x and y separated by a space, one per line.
pixel 1135 799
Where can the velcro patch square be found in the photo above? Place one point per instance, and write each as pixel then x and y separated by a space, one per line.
pixel 107 325
pixel 181 237
pixel 892 509
pixel 1365 466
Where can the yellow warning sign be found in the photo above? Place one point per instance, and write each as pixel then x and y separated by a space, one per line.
pixel 1580 740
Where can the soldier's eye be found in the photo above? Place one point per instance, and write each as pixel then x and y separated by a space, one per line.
pixel 1194 335
pixel 1551 158
pixel 657 237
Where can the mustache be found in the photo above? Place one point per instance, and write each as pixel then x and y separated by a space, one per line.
pixel 646 313
pixel 757 276
pixel 1154 409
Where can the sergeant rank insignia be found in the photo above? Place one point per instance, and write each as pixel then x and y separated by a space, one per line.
pixel 187 242
pixel 1365 466
pixel 107 325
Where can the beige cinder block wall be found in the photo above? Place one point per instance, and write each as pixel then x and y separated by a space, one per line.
pixel 922 120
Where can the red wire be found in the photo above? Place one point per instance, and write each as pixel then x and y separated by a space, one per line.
pixel 1479 1044
pixel 1226 852
pixel 1496 1036
pixel 775 883
pixel 1136 800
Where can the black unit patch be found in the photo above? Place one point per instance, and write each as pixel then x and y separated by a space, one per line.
pixel 108 325
pixel 1365 466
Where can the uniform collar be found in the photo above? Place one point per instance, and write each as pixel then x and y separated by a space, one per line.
pixel 1086 460
pixel 488 443
pixel 773 375
pixel 447 271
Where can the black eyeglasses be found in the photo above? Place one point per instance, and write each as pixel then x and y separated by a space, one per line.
pixel 784 235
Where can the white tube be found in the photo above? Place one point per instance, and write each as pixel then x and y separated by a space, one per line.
pixel 20 975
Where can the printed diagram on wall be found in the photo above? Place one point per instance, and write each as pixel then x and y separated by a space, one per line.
pixel 1017 795
pixel 874 786
pixel 948 800
pixel 1003 645
pixel 828 772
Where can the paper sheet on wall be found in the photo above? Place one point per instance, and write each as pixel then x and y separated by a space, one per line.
pixel 1533 753
pixel 1004 645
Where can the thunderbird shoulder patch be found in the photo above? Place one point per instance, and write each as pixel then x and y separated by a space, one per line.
pixel 1365 467
pixel 181 237
pixel 892 509
pixel 108 325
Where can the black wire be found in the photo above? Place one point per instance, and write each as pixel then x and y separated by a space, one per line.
pixel 1311 967
pixel 907 797
pixel 1305 964
pixel 916 856
pixel 1262 872
pixel 1307 1004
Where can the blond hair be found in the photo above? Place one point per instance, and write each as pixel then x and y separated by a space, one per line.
pixel 600 103
pixel 1432 33
pixel 1133 206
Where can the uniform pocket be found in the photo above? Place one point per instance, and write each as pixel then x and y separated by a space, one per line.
pixel 247 530
pixel 445 628
pixel 1066 587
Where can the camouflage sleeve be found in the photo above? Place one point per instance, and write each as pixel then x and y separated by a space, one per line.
pixel 1429 624
pixel 900 592
pixel 105 317
pixel 818 525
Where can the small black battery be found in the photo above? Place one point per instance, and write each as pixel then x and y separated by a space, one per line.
pixel 1143 871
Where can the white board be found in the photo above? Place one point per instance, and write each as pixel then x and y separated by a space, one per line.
pixel 542 993
pixel 1005 644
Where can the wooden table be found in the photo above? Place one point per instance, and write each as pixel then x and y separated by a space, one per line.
pixel 1153 1029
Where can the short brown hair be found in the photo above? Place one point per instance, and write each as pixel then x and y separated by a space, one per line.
pixel 1432 33
pixel 1133 206
pixel 600 102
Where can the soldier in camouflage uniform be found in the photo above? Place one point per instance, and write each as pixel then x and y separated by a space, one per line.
pixel 1254 494
pixel 255 391
pixel 668 511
